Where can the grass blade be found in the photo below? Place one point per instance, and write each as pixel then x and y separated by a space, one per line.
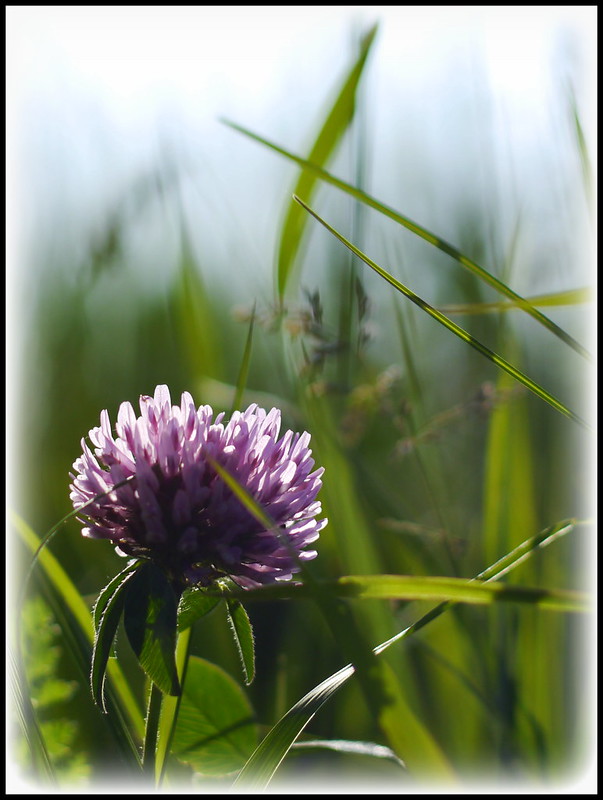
pixel 369 749
pixel 265 760
pixel 111 605
pixel 379 684
pixel 452 326
pixel 330 135
pixel 81 613
pixel 424 234
pixel 243 636
pixel 457 590
pixel 216 730
pixel 570 297
pixel 40 760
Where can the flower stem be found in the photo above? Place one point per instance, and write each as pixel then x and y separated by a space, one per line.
pixel 171 706
pixel 151 730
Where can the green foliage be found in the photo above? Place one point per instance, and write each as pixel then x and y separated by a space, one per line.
pixel 107 614
pixel 242 632
pixel 50 695
pixel 150 613
pixel 333 129
pixel 439 470
pixel 216 732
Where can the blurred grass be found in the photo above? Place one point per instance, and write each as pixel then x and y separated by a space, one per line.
pixel 434 466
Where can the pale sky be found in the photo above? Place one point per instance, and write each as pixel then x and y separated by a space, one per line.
pixel 94 91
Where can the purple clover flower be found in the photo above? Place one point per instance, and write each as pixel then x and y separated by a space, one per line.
pixel 176 509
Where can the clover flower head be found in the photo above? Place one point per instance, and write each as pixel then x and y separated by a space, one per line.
pixel 152 490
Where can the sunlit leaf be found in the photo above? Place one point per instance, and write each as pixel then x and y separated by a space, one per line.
pixel 107 613
pixel 335 125
pixel 216 731
pixel 194 604
pixel 243 635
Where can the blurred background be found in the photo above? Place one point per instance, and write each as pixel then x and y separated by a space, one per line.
pixel 142 231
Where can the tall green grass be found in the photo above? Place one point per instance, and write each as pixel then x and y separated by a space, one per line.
pixel 438 463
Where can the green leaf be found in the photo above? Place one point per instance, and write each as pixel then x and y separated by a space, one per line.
pixel 215 732
pixel 107 613
pixel 243 635
pixel 458 590
pixel 107 593
pixel 194 604
pixel 32 733
pixel 450 325
pixel 335 125
pixel 423 233
pixel 150 619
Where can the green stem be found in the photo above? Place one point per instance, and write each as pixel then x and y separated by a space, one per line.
pixel 170 708
pixel 149 752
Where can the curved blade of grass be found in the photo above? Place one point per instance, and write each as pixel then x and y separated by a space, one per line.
pixel 458 590
pixel 379 684
pixel 242 632
pixel 570 297
pixel 424 234
pixel 452 326
pixel 81 613
pixel 194 604
pixel 369 749
pixel 330 135
pixel 587 172
pixel 258 771
pixel 412 587
pixel 107 593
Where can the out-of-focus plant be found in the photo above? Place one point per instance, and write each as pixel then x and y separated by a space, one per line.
pixel 442 486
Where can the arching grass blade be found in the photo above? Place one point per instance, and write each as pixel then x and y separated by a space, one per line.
pixel 265 760
pixel 331 132
pixel 424 234
pixel 570 297
pixel 452 326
